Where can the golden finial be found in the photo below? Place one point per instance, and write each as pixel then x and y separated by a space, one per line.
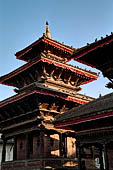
pixel 47 32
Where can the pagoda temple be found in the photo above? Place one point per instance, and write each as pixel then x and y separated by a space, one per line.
pixel 45 86
pixel 93 121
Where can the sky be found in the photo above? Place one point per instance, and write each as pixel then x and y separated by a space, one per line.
pixel 74 22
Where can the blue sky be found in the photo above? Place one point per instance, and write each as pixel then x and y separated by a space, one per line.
pixel 74 22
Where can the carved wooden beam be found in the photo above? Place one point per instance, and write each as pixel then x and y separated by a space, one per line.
pixel 27 104
pixel 32 77
pixel 66 77
pixel 19 83
pixel 1 115
pixel 7 114
pixel 55 74
pixel 17 125
pixel 13 111
pixel 59 76
pixel 80 82
pixel 73 80
pixel 63 109
pixel 32 105
pixel 43 73
pixel 44 69
pixel 27 79
pixel 37 75
pixel 72 83
pixel 76 82
pixel 19 116
pixel 54 107
pixel 52 72
pixel 24 80
pixel 20 109
pixel 69 78
pixel 43 106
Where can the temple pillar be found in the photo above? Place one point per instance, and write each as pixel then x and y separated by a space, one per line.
pixel 65 147
pixel 42 143
pixel 106 157
pixel 4 150
pixel 27 146
pixel 61 145
pixel 101 159
pixel 79 155
pixel 15 149
pixel 48 146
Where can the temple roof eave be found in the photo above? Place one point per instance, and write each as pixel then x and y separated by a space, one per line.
pixel 80 54
pixel 91 75
pixel 78 98
pixel 87 112
pixel 47 40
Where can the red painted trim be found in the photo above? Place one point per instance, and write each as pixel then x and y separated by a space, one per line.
pixel 72 69
pixel 88 81
pixel 58 45
pixel 83 62
pixel 27 49
pixel 94 130
pixel 82 120
pixel 51 42
pixel 65 127
pixel 19 70
pixel 22 59
pixel 41 92
pixel 89 50
pixel 93 77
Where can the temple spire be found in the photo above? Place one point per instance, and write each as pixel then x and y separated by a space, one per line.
pixel 47 32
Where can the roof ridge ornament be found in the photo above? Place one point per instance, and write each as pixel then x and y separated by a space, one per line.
pixel 47 32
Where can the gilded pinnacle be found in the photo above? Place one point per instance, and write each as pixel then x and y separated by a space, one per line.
pixel 47 32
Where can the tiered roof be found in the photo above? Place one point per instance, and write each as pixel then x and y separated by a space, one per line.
pixel 8 79
pixel 96 109
pixel 45 74
pixel 97 54
pixel 45 40
pixel 45 64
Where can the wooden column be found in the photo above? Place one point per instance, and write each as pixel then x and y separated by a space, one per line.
pixel 101 159
pixel 79 155
pixel 106 157
pixel 4 150
pixel 42 143
pixel 15 149
pixel 65 147
pixel 49 145
pixel 61 145
pixel 27 146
